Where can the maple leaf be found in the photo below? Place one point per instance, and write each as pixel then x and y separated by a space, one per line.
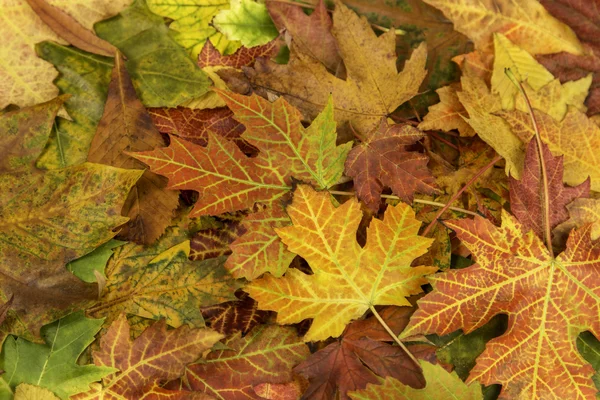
pixel 244 56
pixel 448 114
pixel 526 23
pixel 576 137
pixel 52 365
pixel 125 125
pixel 549 301
pixel 326 237
pixel 240 315
pixel 193 124
pixel 264 355
pixel 156 356
pixel 525 201
pixel 191 23
pixel 359 358
pixel 367 94
pixel 228 181
pixel 160 282
pixel 311 33
pixel 26 391
pixel 246 21
pixel 441 385
pixel 384 159
pixel 24 78
pixel 215 241
pixel 161 70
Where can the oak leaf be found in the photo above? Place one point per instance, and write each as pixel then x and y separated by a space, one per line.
pixel 525 200
pixel 52 365
pixel 384 159
pixel 155 357
pixel 525 23
pixel 367 94
pixel 311 33
pixel 378 274
pixel 264 355
pixel 549 301
pixel 160 282
pixel 441 385
pixel 24 78
pixel 126 126
pixel 359 357
pixel 228 181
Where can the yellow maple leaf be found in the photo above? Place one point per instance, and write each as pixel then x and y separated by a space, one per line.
pixel 348 280
pixel 525 22
pixel 26 79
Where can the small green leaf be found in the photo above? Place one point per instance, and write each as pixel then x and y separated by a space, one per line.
pixel 84 267
pixel 248 22
pixel 52 365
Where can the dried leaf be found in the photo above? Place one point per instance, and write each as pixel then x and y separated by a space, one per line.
pixel 367 94
pixel 264 355
pixel 240 315
pixel 156 356
pixel 526 199
pixel 448 114
pixel 243 57
pixel 215 242
pixel 581 213
pixel 384 159
pixel 70 30
pixel 326 237
pixel 126 126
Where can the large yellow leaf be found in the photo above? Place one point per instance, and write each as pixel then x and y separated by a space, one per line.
pixel 525 22
pixel 367 94
pixel 26 79
pixel 347 279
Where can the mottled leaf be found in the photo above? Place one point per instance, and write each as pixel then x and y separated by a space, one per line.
pixel 441 385
pixel 216 241
pixel 264 355
pixel 367 94
pixel 167 286
pixel 526 195
pixel 126 126
pixel 549 301
pixel 53 365
pixel 161 71
pixel 246 21
pixel 384 159
pixel 326 237
pixel 156 356
pixel 240 315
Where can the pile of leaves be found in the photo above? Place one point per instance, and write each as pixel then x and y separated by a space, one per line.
pixel 283 200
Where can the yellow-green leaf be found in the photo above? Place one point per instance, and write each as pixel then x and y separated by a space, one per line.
pixel 246 21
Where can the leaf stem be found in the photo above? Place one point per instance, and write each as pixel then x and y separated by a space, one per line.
pixel 544 173
pixel 461 191
pixel 393 335
pixel 428 202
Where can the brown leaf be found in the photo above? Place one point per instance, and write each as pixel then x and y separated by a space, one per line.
pixel 243 57
pixel 126 126
pixel 384 159
pixel 526 195
pixel 215 242
pixel 312 34
pixel 194 124
pixel 359 358
pixel 448 114
pixel 70 30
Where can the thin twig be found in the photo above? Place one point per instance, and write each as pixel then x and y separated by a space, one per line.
pixel 393 335
pixel 428 202
pixel 461 191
